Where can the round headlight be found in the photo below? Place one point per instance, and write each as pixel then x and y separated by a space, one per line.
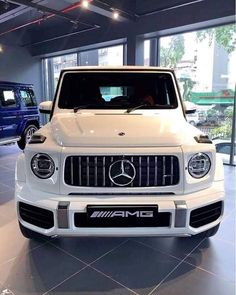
pixel 199 165
pixel 42 166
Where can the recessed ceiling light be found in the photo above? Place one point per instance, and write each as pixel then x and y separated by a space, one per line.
pixel 115 15
pixel 85 3
pixel 1 49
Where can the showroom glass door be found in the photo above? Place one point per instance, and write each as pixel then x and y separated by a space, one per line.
pixel 204 62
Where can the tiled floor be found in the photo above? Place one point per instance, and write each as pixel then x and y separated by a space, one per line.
pixel 178 266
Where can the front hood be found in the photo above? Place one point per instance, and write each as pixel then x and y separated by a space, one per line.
pixel 90 129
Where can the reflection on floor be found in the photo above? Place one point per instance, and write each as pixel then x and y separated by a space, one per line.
pixel 178 266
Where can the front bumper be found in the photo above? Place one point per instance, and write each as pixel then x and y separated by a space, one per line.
pixel 64 208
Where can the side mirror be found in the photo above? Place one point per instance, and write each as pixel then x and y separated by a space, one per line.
pixel 189 107
pixel 45 107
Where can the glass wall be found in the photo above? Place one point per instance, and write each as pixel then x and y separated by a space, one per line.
pixel 62 62
pixel 146 53
pixel 109 56
pixel 204 62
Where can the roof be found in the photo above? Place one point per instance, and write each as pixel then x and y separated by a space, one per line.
pixel 137 68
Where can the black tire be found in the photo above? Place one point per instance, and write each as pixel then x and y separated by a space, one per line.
pixel 29 234
pixel 192 123
pixel 26 135
pixel 208 233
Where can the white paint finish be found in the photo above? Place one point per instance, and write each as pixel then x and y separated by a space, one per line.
pixel 78 204
pixel 141 128
pixel 96 132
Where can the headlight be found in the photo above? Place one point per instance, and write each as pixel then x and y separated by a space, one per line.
pixel 199 165
pixel 42 166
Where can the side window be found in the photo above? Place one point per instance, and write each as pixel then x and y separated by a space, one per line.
pixel 27 97
pixel 7 98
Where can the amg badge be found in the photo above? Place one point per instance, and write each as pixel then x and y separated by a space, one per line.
pixel 122 214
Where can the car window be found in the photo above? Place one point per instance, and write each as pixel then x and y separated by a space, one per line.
pixel 7 98
pixel 28 98
pixel 117 90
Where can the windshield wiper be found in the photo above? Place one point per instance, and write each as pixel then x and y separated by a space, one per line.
pixel 84 106
pixel 155 106
pixel 129 110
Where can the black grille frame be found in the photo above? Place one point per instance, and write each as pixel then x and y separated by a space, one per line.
pixel 39 217
pixel 205 215
pixel 80 220
pixel 151 170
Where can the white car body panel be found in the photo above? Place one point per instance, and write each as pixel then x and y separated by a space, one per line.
pixel 96 132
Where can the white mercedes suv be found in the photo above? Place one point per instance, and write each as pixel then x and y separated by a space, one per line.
pixel 118 158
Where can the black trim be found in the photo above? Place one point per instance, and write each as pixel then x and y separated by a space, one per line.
pixel 118 70
pixel 206 215
pixel 133 219
pixel 121 194
pixel 37 138
pixel 203 139
pixel 44 111
pixel 36 216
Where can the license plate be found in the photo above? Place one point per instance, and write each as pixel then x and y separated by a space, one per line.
pixel 123 216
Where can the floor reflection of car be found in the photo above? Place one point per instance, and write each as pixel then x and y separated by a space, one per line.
pixel 223 147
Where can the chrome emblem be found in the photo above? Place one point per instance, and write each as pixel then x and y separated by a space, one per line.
pixel 122 172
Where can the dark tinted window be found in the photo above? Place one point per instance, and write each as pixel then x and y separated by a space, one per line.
pixel 117 90
pixel 7 98
pixel 28 98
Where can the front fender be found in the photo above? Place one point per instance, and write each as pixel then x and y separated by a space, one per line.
pixel 20 172
pixel 219 169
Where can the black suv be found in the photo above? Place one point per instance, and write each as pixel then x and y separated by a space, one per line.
pixel 19 117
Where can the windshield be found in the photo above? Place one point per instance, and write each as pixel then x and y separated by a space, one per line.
pixel 117 91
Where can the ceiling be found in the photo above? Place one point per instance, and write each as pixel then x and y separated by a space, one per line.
pixel 23 22
pixel 29 22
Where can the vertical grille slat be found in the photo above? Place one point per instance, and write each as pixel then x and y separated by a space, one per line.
pixel 171 170
pixel 140 171
pixel 164 170
pixel 155 177
pixel 71 170
pixel 112 184
pixel 148 171
pixel 132 160
pixel 80 174
pixel 104 171
pixel 87 170
pixel 93 171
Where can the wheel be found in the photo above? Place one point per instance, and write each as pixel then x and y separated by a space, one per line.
pixel 208 233
pixel 26 136
pixel 29 234
pixel 192 123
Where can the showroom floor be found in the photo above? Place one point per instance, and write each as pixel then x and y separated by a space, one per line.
pixel 178 266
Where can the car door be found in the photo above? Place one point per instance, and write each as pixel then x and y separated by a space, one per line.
pixel 10 116
pixel 28 104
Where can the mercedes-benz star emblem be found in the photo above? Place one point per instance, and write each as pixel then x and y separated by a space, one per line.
pixel 122 172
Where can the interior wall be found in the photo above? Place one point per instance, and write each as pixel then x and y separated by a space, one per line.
pixel 17 65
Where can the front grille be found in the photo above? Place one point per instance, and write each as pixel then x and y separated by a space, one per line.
pixel 205 215
pixel 81 220
pixel 93 171
pixel 37 216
